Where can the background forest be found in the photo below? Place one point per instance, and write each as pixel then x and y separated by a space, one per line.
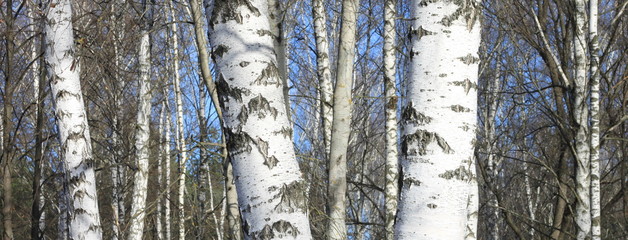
pixel 145 84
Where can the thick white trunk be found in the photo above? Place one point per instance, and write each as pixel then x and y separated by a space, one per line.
pixel 74 136
pixel 259 135
pixel 323 71
pixel 138 208
pixel 392 158
pixel 583 165
pixel 341 124
pixel 439 191
pixel 596 221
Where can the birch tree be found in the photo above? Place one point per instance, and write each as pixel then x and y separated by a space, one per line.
pixel 74 136
pixel 582 151
pixel 323 71
pixel 341 124
pixel 259 135
pixel 392 166
pixel 596 221
pixel 439 189
pixel 138 208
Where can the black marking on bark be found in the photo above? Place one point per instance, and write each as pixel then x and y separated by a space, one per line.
pixel 261 106
pixel 62 94
pixel 460 173
pixel 432 206
pixel 243 116
pixel 421 32
pixel 269 76
pixel 262 147
pixel 459 108
pixel 279 229
pixel 225 91
pixel 291 197
pixel 264 32
pixel 422 139
pixel 424 3
pixel 410 181
pixel 285 131
pixel 244 63
pixel 442 75
pixel 238 142
pixel 220 50
pixel 225 10
pixel 410 115
pixel 392 103
pixel 467 84
pixel 469 59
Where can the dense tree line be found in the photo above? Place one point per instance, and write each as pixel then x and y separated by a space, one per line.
pixel 314 119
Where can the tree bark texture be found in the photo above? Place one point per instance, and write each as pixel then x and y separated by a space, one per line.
pixel 76 149
pixel 439 188
pixel 271 190
pixel 341 124
pixel 392 158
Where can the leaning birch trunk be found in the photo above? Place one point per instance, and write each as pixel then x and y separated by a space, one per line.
pixel 324 72
pixel 341 124
pixel 583 166
pixel 76 149
pixel 138 208
pixel 596 220
pixel 439 188
pixel 259 135
pixel 392 166
pixel 275 16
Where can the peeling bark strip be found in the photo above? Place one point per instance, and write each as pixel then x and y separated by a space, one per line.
pixel 72 122
pixel 439 122
pixel 267 176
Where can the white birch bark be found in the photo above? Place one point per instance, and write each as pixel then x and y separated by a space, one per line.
pixel 493 161
pixel 160 157
pixel 138 207
pixel 596 220
pixel 271 191
pixel 392 158
pixel 168 160
pixel 324 72
pixel 341 124
pixel 583 165
pixel 439 189
pixel 74 136
pixel 180 137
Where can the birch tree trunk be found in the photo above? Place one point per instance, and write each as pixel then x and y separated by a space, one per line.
pixel 323 71
pixel 138 208
pixel 180 138
pixel 439 188
pixel 168 160
pixel 71 117
pixel 160 157
pixel 493 161
pixel 259 135
pixel 392 158
pixel 341 124
pixel 596 220
pixel 583 165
